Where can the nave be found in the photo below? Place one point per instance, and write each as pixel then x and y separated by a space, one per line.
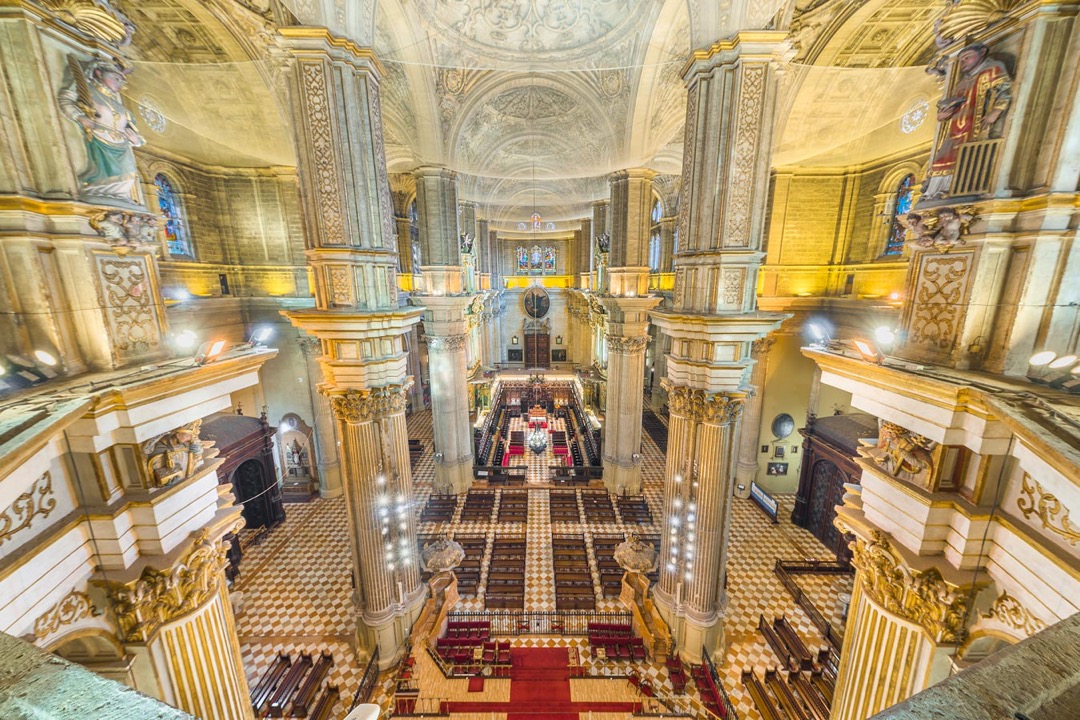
pixel 296 593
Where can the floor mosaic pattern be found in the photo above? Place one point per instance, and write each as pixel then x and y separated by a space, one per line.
pixel 295 590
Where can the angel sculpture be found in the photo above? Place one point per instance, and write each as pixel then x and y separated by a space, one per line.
pixel 941 231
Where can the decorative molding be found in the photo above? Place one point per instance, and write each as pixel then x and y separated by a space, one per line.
pixel 939 297
pixel 922 597
pixel 73 607
pixel 129 297
pixel 359 406
pixel 38 500
pixel 1008 611
pixel 704 407
pixel 446 343
pixel 731 280
pixel 744 160
pixel 157 597
pixel 626 345
pixel 761 347
pixel 1036 501
pixel 309 346
pixel 323 151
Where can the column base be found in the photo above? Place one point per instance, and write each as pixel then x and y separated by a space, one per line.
pixel 330 481
pixel 453 477
pixel 391 633
pixel 691 634
pixel 622 479
pixel 744 475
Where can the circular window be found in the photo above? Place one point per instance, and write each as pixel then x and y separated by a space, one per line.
pixel 536 302
pixel 915 116
pixel 783 425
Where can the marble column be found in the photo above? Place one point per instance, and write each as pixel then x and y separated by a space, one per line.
pixel 177 619
pixel 627 304
pixel 713 320
pixel 585 254
pixel 348 222
pixel 747 466
pixel 445 301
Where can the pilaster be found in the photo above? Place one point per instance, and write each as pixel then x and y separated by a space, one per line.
pixel 747 466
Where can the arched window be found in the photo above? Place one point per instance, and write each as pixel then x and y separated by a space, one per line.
pixel 657 212
pixel 414 236
pixel 175 230
pixel 905 193
pixel 654 251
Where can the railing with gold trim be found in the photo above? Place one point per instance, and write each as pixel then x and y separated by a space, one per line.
pixel 975 165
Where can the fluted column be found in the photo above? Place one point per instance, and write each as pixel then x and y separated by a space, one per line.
pixel 622 416
pixel 446 300
pixel 585 254
pixel 714 318
pixel 348 225
pixel 747 466
pixel 693 547
pixel 178 615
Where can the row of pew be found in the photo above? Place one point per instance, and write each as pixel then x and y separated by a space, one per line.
pixel 573 578
pixel 514 507
pixel 439 508
pixel 598 507
pixel 294 689
pixel 635 510
pixel 805 691
pixel 506 575
pixel 478 506
pixel 563 507
pixel 611 572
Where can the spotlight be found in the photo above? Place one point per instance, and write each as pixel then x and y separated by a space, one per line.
pixel 209 351
pixel 819 333
pixel 1065 361
pixel 1062 370
pixel 1040 359
pixel 885 336
pixel 45 358
pixel 1039 366
pixel 186 339
pixel 261 335
pixel 867 350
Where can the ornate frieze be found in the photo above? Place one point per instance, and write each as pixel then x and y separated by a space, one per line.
pixel 446 343
pixel 1048 508
pixel 761 347
pixel 323 151
pixel 175 455
pixel 922 597
pixel 626 345
pixel 38 500
pixel 1008 611
pixel 701 406
pixel 128 296
pixel 904 454
pixel 359 406
pixel 157 596
pixel 74 606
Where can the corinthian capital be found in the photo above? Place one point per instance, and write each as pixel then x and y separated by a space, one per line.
pixel 359 406
pixel 446 343
pixel 763 345
pixel 700 406
pixel 627 345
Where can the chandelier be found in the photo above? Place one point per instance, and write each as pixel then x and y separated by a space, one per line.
pixel 537 440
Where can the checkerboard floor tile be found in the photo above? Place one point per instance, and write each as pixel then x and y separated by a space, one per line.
pixel 297 593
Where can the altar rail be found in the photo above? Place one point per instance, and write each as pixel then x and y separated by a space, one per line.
pixel 514 623
pixel 706 659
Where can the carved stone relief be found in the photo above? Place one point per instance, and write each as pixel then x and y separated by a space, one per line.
pixel 323 159
pixel 1048 509
pixel 74 606
pixel 938 299
pixel 38 500
pixel 904 454
pixel 744 160
pixel 127 295
pixel 175 455
pixel 1008 611
pixel 360 406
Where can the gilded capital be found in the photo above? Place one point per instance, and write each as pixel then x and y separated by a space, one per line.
pixel 701 406
pixel 921 596
pixel 627 345
pixel 445 343
pixel 157 597
pixel 360 406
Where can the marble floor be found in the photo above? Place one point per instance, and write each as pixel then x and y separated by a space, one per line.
pixel 295 590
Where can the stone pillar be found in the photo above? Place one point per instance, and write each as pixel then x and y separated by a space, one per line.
pixel 747 467
pixel 348 223
pixel 445 302
pixel 404 244
pixel 326 433
pixel 177 615
pixel 660 352
pixel 483 244
pixel 599 228
pixel 628 325
pixel 702 430
pixel 714 318
pixel 667 244
pixel 585 254
pixel 496 259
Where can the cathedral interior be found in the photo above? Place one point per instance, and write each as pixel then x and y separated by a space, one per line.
pixel 514 359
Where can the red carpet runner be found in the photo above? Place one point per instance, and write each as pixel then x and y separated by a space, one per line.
pixel 540 688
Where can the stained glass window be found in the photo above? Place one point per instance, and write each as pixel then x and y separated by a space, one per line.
pixel 175 231
pixel 522 261
pixel 905 192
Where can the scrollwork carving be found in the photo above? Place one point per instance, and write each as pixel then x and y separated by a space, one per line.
pixel 38 500
pixel 1036 501
pixel 626 345
pixel 1008 611
pixel 323 149
pixel 923 597
pixel 701 406
pixel 359 406
pixel 745 156
pixel 73 607
pixel 157 596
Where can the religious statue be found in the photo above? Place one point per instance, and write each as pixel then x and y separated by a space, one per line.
pixel 176 455
pixel 941 231
pixel 465 243
pixel 975 111
pixel 603 242
pixel 904 454
pixel 92 99
pixel 123 229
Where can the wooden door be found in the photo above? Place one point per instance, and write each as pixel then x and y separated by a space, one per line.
pixel 537 350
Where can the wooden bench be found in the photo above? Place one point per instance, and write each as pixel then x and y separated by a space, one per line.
pixel 782 691
pixel 760 695
pixel 324 708
pixel 778 646
pixel 813 699
pixel 260 695
pixel 308 690
pixel 283 695
pixel 796 647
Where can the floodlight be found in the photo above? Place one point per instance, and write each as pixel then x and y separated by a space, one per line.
pixel 885 336
pixel 209 351
pixel 867 350
pixel 45 358
pixel 186 339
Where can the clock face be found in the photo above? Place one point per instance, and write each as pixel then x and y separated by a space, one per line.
pixel 536 302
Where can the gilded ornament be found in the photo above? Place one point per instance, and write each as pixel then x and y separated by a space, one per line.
pixel 1036 501
pixel 903 454
pixel 1008 611
pixel 701 406
pixel 73 607
pixel 175 455
pixel 359 406
pixel 626 345
pixel 157 597
pixel 97 18
pixel 943 230
pixel 38 500
pixel 923 597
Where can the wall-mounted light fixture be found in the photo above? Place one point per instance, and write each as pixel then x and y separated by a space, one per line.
pixel 514 340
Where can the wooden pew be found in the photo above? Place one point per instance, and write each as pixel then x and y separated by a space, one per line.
pixel 811 697
pixel 790 704
pixel 283 695
pixel 824 685
pixel 308 690
pixel 778 646
pixel 760 695
pixel 324 709
pixel 796 647
pixel 269 681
